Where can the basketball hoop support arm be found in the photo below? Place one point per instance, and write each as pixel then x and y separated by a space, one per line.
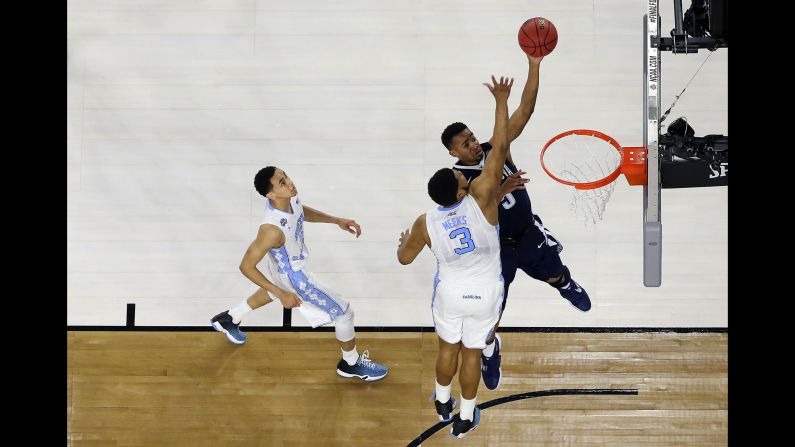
pixel 681 42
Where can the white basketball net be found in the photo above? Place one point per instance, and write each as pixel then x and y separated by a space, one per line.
pixel 582 159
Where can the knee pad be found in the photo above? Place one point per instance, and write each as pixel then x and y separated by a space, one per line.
pixel 343 326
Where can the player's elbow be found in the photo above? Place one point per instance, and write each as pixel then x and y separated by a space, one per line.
pixel 404 259
pixel 245 268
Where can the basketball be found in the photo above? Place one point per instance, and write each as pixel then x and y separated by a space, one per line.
pixel 538 37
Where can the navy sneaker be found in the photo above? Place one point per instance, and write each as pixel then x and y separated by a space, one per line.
pixel 574 293
pixel 364 368
pixel 444 410
pixel 490 366
pixel 223 323
pixel 463 426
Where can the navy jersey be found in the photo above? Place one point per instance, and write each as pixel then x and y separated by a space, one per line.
pixel 515 211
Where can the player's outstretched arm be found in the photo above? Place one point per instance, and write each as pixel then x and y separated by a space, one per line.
pixel 522 114
pixel 349 225
pixel 484 187
pixel 412 241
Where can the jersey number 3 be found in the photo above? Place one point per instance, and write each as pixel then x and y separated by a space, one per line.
pixel 466 240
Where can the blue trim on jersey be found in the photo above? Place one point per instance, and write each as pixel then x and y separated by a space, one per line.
pixel 435 283
pixel 305 289
pixel 452 207
pixel 277 209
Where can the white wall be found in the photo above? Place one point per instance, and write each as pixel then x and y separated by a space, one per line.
pixel 174 105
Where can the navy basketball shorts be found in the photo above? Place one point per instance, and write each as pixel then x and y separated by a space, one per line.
pixel 536 252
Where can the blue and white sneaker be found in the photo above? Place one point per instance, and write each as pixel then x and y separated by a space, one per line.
pixel 490 366
pixel 444 410
pixel 223 323
pixel 574 293
pixel 463 426
pixel 364 368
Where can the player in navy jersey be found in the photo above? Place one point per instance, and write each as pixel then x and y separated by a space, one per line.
pixel 524 241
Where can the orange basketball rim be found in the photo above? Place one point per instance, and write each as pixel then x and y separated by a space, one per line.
pixel 632 165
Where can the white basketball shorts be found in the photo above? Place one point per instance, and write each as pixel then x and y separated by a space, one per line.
pixel 466 313
pixel 320 304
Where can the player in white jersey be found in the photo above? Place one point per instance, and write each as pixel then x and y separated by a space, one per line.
pixel 287 278
pixel 463 235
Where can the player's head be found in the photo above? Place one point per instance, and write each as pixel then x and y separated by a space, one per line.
pixel 447 186
pixel 273 183
pixel 461 143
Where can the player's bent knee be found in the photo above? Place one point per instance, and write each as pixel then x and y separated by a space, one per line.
pixel 343 326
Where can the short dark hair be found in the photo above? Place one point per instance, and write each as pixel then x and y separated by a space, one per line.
pixel 262 181
pixel 451 131
pixel 443 187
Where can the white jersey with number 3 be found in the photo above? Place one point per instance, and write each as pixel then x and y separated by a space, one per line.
pixel 466 245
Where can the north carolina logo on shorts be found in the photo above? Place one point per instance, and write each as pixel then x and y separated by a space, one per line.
pixel 283 222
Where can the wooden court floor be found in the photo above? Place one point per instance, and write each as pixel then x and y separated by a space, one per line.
pixel 281 389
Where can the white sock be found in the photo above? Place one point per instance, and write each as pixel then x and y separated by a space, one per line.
pixel 468 408
pixel 489 350
pixel 443 392
pixel 238 311
pixel 351 356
